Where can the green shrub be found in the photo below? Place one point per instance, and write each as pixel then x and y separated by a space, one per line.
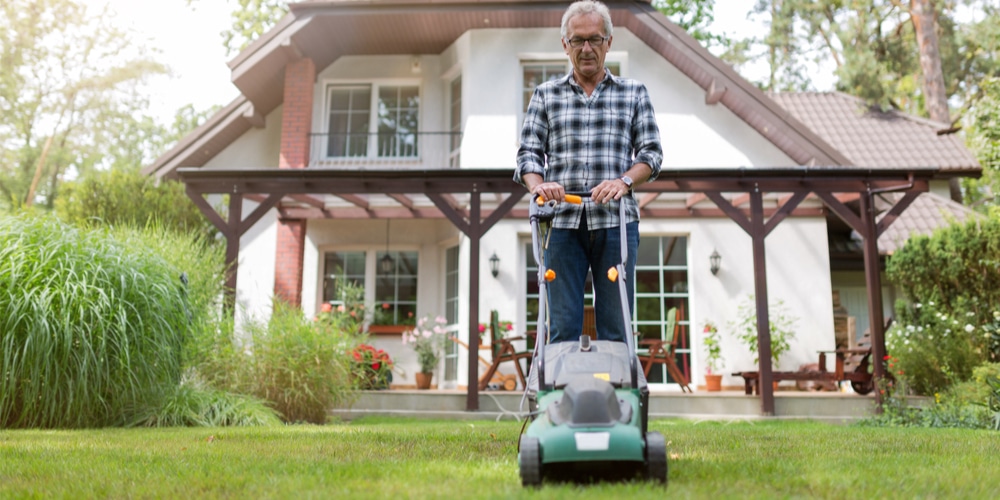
pixel 126 197
pixel 932 349
pixel 92 327
pixel 302 370
pixel 193 405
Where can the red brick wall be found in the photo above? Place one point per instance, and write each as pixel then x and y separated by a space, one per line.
pixel 296 117
pixel 288 260
pixel 296 124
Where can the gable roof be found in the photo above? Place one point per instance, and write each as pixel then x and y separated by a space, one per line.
pixel 327 30
pixel 875 138
pixel 927 213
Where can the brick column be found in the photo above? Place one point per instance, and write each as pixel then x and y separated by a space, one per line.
pixel 296 124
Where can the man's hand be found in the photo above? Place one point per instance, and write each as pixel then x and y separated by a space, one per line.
pixel 609 190
pixel 547 190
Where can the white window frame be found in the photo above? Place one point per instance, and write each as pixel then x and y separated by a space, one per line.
pixel 375 85
pixel 371 270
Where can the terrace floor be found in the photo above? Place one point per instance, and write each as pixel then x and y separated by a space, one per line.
pixel 834 407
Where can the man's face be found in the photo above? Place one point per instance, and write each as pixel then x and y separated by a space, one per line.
pixel 587 59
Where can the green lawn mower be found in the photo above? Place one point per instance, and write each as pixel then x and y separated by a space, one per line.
pixel 588 400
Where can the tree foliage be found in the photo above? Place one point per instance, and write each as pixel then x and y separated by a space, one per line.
pixel 70 98
pixel 873 47
pixel 983 136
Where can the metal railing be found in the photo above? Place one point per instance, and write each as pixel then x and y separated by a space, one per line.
pixel 334 148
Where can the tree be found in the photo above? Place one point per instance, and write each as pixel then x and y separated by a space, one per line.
pixel 875 46
pixel 695 16
pixel 69 92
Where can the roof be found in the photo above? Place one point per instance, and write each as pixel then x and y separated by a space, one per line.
pixel 927 213
pixel 874 138
pixel 327 30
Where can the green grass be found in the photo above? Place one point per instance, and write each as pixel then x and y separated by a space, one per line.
pixel 395 458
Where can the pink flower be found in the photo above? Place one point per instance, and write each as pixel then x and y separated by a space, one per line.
pixel 482 328
pixel 385 305
pixel 340 308
pixel 326 307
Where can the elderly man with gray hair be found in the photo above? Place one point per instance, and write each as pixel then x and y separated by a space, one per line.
pixel 589 131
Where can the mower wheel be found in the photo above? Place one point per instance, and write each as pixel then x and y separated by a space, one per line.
pixel 530 459
pixel 656 457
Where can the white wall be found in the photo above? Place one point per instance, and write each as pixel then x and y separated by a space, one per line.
pixel 258 147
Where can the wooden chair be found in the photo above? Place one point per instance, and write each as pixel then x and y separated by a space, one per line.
pixel 503 351
pixel 662 352
pixel 589 322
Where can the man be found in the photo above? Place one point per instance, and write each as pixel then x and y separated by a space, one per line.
pixel 588 132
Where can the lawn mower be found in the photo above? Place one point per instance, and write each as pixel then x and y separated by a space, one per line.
pixel 587 400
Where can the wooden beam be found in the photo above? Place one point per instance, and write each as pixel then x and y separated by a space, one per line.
pixel 646 199
pixel 734 213
pixel 312 201
pixel 895 212
pixel 694 199
pixel 354 200
pixel 714 93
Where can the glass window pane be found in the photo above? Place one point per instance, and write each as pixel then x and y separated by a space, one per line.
pixel 675 251
pixel 649 252
pixel 647 281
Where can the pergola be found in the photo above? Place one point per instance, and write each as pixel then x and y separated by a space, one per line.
pixel 457 194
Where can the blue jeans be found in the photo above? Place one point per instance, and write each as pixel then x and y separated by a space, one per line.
pixel 571 252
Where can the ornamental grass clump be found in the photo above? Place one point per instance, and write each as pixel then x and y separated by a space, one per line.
pixel 299 365
pixel 92 328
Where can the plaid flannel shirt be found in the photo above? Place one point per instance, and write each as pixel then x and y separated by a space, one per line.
pixel 580 141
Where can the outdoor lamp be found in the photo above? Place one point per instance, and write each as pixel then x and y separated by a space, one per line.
pixel 386 263
pixel 495 265
pixel 715 260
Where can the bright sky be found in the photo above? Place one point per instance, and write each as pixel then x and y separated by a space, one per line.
pixel 190 43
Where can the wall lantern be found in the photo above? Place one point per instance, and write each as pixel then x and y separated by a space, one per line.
pixel 386 263
pixel 495 265
pixel 716 261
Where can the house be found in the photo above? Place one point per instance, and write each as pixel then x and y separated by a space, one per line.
pixel 370 137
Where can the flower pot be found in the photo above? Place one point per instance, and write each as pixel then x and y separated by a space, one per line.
pixel 713 382
pixel 424 380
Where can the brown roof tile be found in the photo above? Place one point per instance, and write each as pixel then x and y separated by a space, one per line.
pixel 927 213
pixel 873 138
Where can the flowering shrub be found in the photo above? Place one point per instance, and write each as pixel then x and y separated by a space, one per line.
pixel 371 367
pixel 505 326
pixel 713 346
pixel 933 349
pixel 427 340
pixel 385 314
pixel 781 325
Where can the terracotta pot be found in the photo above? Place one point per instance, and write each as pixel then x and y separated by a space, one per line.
pixel 424 380
pixel 713 382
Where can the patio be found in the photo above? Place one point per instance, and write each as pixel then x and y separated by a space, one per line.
pixel 834 407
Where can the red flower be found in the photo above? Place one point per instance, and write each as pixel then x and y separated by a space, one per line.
pixel 357 355
pixel 886 357
pixel 385 305
pixel 375 366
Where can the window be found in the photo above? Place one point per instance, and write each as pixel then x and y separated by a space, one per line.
pixel 390 292
pixel 388 113
pixel 451 312
pixel 455 125
pixel 660 283
pixel 539 72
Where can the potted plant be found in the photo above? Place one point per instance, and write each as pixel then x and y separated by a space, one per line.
pixel 713 359
pixel 427 339
pixel 781 326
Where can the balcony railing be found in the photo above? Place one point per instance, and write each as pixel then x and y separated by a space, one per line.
pixel 333 149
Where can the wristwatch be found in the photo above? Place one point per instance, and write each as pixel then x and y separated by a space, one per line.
pixel 627 180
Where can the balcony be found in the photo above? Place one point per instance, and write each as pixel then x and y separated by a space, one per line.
pixel 417 149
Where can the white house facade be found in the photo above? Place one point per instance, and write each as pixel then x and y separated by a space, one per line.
pixel 460 107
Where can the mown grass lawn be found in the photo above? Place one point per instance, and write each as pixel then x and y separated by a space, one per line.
pixel 397 458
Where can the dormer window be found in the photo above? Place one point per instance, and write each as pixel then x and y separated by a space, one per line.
pixel 373 121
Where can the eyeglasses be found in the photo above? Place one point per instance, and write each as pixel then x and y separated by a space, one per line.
pixel 594 41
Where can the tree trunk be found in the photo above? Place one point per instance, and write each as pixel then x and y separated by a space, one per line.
pixel 924 17
pixel 924 23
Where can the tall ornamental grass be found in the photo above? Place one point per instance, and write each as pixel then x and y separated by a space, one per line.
pixel 91 330
pixel 299 366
